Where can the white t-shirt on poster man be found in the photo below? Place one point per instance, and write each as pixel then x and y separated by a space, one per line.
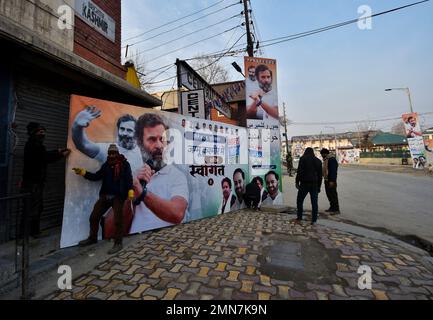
pixel 271 99
pixel 168 183
pixel 278 201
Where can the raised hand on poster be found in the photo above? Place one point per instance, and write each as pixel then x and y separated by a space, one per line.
pixel 85 117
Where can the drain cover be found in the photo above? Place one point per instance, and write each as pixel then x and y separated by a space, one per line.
pixel 285 255
pixel 299 259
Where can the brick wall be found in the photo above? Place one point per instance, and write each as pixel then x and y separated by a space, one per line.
pixel 94 47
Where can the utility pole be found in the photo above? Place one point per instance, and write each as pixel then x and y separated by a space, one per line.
pixel 288 155
pixel 285 128
pixel 250 43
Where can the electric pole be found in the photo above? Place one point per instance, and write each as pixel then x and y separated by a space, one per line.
pixel 288 155
pixel 285 128
pixel 250 43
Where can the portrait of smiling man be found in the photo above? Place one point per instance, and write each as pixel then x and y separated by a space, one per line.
pixel 125 140
pixel 273 184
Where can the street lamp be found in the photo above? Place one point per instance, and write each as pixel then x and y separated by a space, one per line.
pixel 408 95
pixel 336 144
pixel 238 68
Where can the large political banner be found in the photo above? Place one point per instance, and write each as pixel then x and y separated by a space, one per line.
pixel 349 156
pixel 418 152
pixel 415 140
pixel 412 125
pixel 263 122
pixel 197 162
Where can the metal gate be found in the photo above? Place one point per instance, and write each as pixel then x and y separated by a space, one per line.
pixel 42 100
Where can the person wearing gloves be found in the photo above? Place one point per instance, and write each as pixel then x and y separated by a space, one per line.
pixel 117 186
pixel 36 161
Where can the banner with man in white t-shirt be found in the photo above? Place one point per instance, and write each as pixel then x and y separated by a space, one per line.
pixel 184 168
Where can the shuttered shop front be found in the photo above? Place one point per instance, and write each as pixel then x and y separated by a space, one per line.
pixel 45 101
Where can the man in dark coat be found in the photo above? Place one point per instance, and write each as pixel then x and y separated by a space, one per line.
pixel 330 172
pixel 309 181
pixel 36 160
pixel 117 186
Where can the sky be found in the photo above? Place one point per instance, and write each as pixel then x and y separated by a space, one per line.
pixel 335 76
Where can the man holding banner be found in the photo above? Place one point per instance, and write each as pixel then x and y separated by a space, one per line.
pixel 116 187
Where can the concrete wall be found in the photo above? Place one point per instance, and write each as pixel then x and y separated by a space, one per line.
pixel 387 161
pixel 41 17
pixel 298 147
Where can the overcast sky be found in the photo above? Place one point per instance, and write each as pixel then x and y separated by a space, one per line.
pixel 339 75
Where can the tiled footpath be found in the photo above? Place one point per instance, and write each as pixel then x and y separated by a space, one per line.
pixel 223 258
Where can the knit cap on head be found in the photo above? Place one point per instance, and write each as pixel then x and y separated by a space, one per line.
pixel 34 127
pixel 113 148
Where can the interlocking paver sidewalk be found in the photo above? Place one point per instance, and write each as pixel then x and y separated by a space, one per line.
pixel 255 255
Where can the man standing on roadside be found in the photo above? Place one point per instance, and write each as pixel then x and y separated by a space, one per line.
pixel 309 181
pixel 330 172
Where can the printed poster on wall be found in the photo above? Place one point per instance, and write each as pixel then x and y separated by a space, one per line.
pixel 418 152
pixel 263 124
pixel 349 156
pixel 415 140
pixel 412 125
pixel 200 162
pixel 429 150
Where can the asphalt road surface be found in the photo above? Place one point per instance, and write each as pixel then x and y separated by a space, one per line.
pixel 401 203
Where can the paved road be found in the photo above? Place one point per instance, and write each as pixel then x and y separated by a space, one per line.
pixel 399 202
pixel 255 256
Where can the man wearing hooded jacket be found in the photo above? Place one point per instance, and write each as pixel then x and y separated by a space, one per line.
pixel 309 181
pixel 36 160
pixel 116 187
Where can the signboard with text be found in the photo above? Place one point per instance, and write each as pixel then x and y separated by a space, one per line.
pixel 193 104
pixel 95 17
pixel 191 80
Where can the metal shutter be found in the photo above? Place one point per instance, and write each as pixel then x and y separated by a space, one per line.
pixel 45 101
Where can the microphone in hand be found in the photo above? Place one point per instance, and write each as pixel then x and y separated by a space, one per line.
pixel 152 167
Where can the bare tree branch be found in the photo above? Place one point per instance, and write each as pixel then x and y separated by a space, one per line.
pixel 210 71
pixel 398 128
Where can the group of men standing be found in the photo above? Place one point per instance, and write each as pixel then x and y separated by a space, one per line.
pixel 311 173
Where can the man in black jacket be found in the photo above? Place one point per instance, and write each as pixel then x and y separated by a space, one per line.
pixel 117 186
pixel 36 160
pixel 330 172
pixel 309 180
